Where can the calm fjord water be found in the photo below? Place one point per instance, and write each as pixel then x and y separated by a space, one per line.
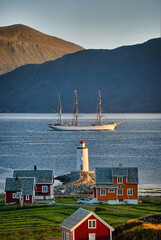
pixel 26 140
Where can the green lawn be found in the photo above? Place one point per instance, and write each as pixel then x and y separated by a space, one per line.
pixel 36 221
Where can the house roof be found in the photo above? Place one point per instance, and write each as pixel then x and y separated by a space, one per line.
pixel 75 218
pixel 24 185
pixel 104 175
pixel 80 216
pixel 42 176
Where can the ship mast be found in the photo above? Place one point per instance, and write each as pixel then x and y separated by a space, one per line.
pixel 99 109
pixel 76 108
pixel 60 111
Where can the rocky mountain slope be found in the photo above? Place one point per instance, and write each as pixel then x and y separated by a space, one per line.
pixel 129 78
pixel 20 45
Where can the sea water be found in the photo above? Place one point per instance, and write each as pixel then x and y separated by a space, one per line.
pixel 26 141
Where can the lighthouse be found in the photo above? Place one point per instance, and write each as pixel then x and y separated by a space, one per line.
pixel 82 157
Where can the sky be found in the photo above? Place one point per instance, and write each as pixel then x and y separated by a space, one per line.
pixel 97 24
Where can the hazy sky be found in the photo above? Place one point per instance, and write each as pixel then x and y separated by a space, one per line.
pixel 89 23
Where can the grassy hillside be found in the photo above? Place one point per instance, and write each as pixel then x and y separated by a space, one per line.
pixel 42 221
pixel 20 45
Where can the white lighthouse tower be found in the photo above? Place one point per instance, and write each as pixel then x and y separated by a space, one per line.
pixel 82 157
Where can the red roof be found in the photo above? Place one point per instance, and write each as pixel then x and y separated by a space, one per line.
pixel 82 141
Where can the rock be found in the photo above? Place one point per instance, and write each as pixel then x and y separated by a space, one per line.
pixel 75 183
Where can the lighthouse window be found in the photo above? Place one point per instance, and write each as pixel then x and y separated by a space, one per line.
pixel 103 192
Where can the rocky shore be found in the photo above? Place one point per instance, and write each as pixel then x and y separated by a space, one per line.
pixel 75 183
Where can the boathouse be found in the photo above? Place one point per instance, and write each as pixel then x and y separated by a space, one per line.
pixel 86 225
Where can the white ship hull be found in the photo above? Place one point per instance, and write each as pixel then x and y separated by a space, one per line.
pixel 104 127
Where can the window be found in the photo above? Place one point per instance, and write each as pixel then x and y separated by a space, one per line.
pixel 111 190
pixel 44 189
pixel 18 195
pixel 129 191
pixel 120 191
pixel 103 192
pixel 14 195
pixel 81 167
pixel 119 180
pixel 27 197
pixel 67 236
pixel 91 223
pixel 91 236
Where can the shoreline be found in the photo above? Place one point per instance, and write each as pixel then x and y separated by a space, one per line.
pixel 86 116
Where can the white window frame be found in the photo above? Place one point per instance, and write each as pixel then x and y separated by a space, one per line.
pixel 14 195
pixel 18 195
pixel 46 189
pixel 111 190
pixel 104 194
pixel 67 236
pixel 91 227
pixel 118 191
pixel 129 194
pixel 118 180
pixel 91 234
pixel 27 197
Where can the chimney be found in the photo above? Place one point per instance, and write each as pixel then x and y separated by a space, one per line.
pixel 16 178
pixel 35 168
pixel 120 165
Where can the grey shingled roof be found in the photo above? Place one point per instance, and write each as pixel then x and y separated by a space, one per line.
pixel 42 176
pixel 75 218
pixel 132 175
pixel 24 185
pixel 104 175
pixel 119 172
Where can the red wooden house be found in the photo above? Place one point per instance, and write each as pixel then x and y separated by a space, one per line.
pixel 20 189
pixel 116 185
pixel 44 181
pixel 85 225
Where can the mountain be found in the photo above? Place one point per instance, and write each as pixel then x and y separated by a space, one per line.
pixel 129 78
pixel 20 45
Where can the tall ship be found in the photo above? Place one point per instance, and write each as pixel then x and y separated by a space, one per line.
pixel 74 124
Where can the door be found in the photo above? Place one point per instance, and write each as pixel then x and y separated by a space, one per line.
pixel 91 236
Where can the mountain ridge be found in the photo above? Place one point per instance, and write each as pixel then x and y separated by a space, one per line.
pixel 128 77
pixel 20 45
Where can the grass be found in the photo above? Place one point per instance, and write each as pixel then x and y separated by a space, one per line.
pixel 38 221
pixel 66 200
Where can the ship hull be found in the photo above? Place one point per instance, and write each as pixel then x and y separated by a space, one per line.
pixel 104 127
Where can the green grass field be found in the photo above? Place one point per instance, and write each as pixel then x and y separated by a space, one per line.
pixel 40 220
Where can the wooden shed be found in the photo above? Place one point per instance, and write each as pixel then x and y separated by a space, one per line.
pixel 85 225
